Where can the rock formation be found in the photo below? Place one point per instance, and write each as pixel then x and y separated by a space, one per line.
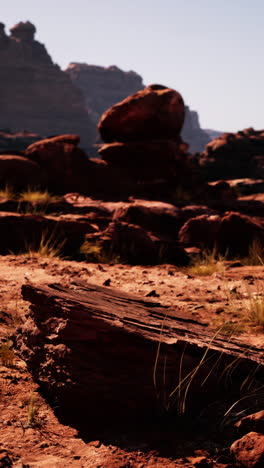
pixel 223 233
pixel 235 155
pixel 104 87
pixel 34 93
pixel 142 135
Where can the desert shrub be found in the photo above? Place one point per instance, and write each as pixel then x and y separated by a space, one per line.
pixel 7 354
pixel 49 246
pixel 207 263
pixel 94 252
pixel 37 196
pixel 255 254
pixel 7 192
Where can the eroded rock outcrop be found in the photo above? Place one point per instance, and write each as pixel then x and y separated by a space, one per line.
pixel 235 155
pixel 19 172
pixel 34 93
pixel 142 140
pixel 232 233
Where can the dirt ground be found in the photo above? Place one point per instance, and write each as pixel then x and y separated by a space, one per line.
pixel 220 300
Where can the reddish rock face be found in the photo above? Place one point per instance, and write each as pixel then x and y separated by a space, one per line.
pixel 156 112
pixel 136 153
pixel 237 232
pixel 200 231
pixel 235 155
pixel 158 217
pixel 249 451
pixel 232 234
pixel 65 166
pixel 134 245
pixel 252 422
pixel 19 172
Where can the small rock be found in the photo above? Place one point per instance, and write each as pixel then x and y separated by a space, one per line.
pixel 152 293
pixel 94 443
pixel 252 422
pixel 107 282
pixel 249 450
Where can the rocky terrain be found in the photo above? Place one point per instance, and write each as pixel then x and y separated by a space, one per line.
pixel 132 289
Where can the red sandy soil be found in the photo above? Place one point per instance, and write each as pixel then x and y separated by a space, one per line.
pixel 214 300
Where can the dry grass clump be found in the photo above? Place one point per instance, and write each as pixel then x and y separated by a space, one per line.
pixel 95 253
pixel 49 246
pixel 7 192
pixel 207 263
pixel 254 305
pixel 7 354
pixel 32 411
pixel 255 254
pixel 37 196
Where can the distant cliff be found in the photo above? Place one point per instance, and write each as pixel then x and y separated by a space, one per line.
pixel 103 87
pixel 36 94
pixel 195 136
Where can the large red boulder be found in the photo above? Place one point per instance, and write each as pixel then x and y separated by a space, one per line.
pixel 249 451
pixel 237 232
pixel 200 231
pixel 235 155
pixel 19 172
pixel 134 245
pixel 24 233
pixel 64 164
pixel 134 153
pixel 156 112
pixel 158 217
pixel 232 233
pixel 252 422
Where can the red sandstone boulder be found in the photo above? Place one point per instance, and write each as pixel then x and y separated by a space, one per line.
pixel 23 233
pixel 134 245
pixel 232 234
pixel 65 166
pixel 136 153
pixel 252 422
pixel 156 112
pixel 235 155
pixel 157 217
pixel 237 232
pixel 249 451
pixel 19 172
pixel 200 231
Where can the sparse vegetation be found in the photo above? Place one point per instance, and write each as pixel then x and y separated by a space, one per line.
pixel 255 254
pixel 49 246
pixel 254 305
pixel 207 263
pixel 94 252
pixel 7 354
pixel 7 192
pixel 32 410
pixel 37 196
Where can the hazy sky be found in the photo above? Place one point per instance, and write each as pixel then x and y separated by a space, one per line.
pixel 209 50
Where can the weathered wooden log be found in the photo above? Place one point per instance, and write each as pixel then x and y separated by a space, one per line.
pixel 103 352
